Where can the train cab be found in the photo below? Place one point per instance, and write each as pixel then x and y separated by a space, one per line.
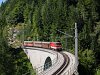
pixel 56 46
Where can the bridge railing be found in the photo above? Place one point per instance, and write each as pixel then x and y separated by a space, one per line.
pixel 42 68
pixel 46 66
pixel 71 70
pixel 72 66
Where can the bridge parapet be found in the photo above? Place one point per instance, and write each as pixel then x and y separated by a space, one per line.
pixel 40 69
pixel 72 66
pixel 37 57
pixel 56 58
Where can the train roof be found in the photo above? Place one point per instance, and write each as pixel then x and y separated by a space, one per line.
pixel 41 41
pixel 54 42
pixel 28 41
pixel 45 42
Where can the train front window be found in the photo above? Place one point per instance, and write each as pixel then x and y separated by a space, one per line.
pixel 58 43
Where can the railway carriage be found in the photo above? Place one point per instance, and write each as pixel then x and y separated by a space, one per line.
pixel 45 44
pixel 37 43
pixel 49 45
pixel 28 43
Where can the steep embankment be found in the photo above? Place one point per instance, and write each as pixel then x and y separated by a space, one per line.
pixel 41 19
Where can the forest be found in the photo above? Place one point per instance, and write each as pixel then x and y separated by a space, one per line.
pixel 40 20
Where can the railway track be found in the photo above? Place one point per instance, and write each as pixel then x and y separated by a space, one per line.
pixel 63 66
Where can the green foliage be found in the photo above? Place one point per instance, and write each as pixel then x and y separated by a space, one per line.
pixel 98 72
pixel 87 60
pixel 87 57
pixel 21 62
pixel 40 20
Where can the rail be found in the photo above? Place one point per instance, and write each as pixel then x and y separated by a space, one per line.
pixel 42 49
pixel 63 66
pixel 72 67
pixel 69 70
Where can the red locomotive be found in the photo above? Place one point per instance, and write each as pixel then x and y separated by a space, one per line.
pixel 55 46
pixel 49 45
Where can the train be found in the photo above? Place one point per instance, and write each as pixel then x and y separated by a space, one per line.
pixel 48 45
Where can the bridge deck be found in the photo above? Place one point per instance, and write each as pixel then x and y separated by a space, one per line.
pixel 58 63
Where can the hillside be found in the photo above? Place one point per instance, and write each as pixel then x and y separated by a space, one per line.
pixel 40 20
